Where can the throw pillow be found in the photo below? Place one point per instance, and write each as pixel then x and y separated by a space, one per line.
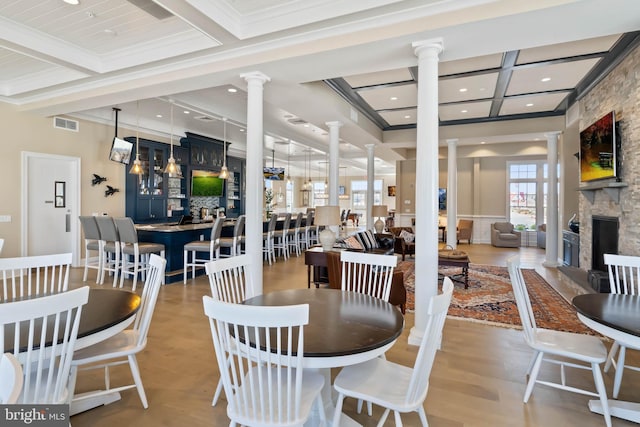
pixel 353 243
pixel 407 237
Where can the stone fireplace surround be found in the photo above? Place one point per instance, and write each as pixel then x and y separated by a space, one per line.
pixel 618 91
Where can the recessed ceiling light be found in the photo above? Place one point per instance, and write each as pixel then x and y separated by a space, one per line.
pixel 232 90
pixel 530 104
pixel 407 117
pixel 111 32
pixel 483 142
pixel 463 89
pixel 463 111
pixel 306 125
pixel 73 2
pixel 159 116
pixel 187 111
pixel 241 130
pixel 482 89
pixel 546 79
pixel 394 98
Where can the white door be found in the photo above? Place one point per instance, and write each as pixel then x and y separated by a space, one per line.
pixel 50 203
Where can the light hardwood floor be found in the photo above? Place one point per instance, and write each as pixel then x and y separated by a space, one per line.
pixel 478 377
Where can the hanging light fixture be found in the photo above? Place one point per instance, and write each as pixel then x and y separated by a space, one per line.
pixel 224 172
pixel 172 168
pixel 136 169
pixel 326 173
pixel 289 163
pixel 310 183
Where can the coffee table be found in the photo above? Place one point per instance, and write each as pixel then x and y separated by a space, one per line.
pixel 457 262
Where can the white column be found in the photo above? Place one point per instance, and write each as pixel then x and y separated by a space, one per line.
pixel 334 165
pixel 551 252
pixel 452 192
pixel 254 179
pixel 426 258
pixel 370 179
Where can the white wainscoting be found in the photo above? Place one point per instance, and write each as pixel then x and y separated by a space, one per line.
pixel 481 225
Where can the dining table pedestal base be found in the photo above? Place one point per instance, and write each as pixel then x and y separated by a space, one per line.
pixel 618 408
pixel 81 403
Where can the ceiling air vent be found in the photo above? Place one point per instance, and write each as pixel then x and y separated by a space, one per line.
pixel 296 121
pixel 66 124
pixel 204 118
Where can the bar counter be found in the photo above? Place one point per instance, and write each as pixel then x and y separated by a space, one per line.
pixel 174 237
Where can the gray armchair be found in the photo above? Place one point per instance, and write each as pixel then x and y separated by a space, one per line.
pixel 503 235
pixel 542 236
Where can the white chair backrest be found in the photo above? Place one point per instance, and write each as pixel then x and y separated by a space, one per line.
pixel 34 275
pixel 1 245
pixel 624 273
pixel 149 297
pixel 27 326
pixel 108 230
pixel 522 299
pixel 238 230
pixel 216 230
pixel 10 379
pixel 230 278
pixel 279 333
pixel 436 315
pixel 90 227
pixel 367 273
pixel 126 230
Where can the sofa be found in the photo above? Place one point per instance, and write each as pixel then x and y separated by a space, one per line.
pixel 367 241
pixel 503 235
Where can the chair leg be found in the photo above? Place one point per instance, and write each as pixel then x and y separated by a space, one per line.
pixel 619 370
pixel 423 416
pixel 86 265
pixel 602 392
pixel 338 412
pixel 135 372
pixel 384 416
pixel 216 395
pixel 533 376
pixel 396 415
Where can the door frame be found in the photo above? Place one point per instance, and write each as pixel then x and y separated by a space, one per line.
pixel 75 206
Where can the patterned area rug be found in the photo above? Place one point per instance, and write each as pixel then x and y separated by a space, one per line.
pixel 489 298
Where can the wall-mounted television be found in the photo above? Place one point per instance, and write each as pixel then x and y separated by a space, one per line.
pixel 121 151
pixel 442 199
pixel 275 174
pixel 206 184
pixel 598 150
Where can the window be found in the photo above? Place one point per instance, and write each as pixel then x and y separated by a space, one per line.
pixel 359 194
pixel 527 193
pixel 320 195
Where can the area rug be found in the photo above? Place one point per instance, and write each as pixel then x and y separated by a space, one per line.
pixel 489 298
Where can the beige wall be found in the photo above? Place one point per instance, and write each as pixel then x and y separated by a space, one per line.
pixel 27 132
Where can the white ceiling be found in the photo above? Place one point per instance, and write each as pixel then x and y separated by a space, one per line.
pixel 143 55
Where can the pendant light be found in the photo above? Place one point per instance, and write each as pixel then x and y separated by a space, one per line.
pixel 136 169
pixel 326 173
pixel 224 172
pixel 289 163
pixel 172 168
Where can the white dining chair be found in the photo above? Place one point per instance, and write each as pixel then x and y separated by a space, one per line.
pixel 34 275
pixel 10 379
pixel 624 278
pixel 92 243
pixel 293 235
pixel 31 323
pixel 123 347
pixel 565 349
pixel 139 252
pixel 229 280
pixel 366 273
pixel 211 247
pixel 396 387
pixel 266 386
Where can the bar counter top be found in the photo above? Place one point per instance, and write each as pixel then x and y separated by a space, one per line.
pixel 175 228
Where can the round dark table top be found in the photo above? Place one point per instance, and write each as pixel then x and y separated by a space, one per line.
pixel 618 311
pixel 105 308
pixel 340 323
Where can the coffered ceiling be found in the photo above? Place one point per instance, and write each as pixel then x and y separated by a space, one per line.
pixel 144 55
